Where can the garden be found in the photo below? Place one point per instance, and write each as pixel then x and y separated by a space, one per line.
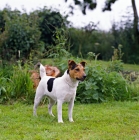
pixel 107 102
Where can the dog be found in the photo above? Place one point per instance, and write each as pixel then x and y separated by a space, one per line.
pixel 61 89
pixel 50 71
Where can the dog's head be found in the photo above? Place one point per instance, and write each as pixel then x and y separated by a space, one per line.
pixel 77 71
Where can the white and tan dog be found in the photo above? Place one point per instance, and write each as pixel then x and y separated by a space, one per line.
pixel 61 89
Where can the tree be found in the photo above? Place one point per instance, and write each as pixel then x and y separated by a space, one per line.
pixel 2 22
pixel 20 36
pixel 86 4
pixel 108 4
pixel 48 22
pixel 91 5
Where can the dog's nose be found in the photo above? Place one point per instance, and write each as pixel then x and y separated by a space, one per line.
pixel 84 76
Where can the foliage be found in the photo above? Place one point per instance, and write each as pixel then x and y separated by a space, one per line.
pixel 92 56
pixel 22 84
pixel 49 21
pixel 21 34
pixel 97 42
pixel 100 42
pixel 123 33
pixel 25 33
pixel 17 85
pixel 115 65
pixel 101 86
pixel 35 34
pixel 2 22
pixel 3 89
pixel 5 73
pixel 85 4
pixel 60 50
pixel 116 62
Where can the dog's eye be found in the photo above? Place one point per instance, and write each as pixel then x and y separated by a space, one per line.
pixel 77 69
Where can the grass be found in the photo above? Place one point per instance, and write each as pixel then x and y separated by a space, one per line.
pixel 131 67
pixel 127 67
pixel 106 121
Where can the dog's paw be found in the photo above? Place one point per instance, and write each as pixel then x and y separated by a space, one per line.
pixel 35 115
pixel 60 122
pixel 51 114
pixel 71 120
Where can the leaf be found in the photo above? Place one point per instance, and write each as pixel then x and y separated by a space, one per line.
pixel 96 96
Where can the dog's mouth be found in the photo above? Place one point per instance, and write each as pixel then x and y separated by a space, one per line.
pixel 81 79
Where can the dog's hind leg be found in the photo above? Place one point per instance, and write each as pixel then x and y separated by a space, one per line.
pixel 51 103
pixel 37 100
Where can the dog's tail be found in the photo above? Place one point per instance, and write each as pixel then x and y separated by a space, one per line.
pixel 42 71
pixel 37 65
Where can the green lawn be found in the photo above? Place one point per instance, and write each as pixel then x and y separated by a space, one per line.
pixel 127 67
pixel 106 121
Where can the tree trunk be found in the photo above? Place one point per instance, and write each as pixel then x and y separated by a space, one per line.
pixel 136 20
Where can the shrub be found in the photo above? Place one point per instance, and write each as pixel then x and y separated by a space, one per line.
pixel 22 84
pixel 5 72
pixel 3 89
pixel 21 34
pixel 101 86
pixel 17 86
pixel 116 62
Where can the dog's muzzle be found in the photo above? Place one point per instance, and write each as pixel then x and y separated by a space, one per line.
pixel 81 79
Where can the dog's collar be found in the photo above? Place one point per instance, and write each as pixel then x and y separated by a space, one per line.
pixel 68 71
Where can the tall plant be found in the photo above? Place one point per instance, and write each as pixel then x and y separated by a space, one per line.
pixel 21 34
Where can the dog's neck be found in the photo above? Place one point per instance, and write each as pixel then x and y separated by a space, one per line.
pixel 70 81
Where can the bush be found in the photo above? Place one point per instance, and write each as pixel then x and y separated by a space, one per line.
pixel 101 86
pixel 21 34
pixel 17 86
pixel 3 89
pixel 116 63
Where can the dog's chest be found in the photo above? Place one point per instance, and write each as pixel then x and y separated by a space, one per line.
pixel 65 92
pixel 68 96
pixel 69 93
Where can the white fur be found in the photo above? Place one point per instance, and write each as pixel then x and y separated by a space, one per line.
pixel 64 90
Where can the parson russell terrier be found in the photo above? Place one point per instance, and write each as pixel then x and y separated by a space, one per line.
pixel 61 89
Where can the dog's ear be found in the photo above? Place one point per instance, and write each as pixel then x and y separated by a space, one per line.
pixel 71 64
pixel 83 63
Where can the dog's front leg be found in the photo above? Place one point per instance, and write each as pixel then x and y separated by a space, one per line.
pixel 71 104
pixel 59 111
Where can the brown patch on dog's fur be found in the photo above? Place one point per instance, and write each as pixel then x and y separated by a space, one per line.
pixel 77 71
pixel 50 71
